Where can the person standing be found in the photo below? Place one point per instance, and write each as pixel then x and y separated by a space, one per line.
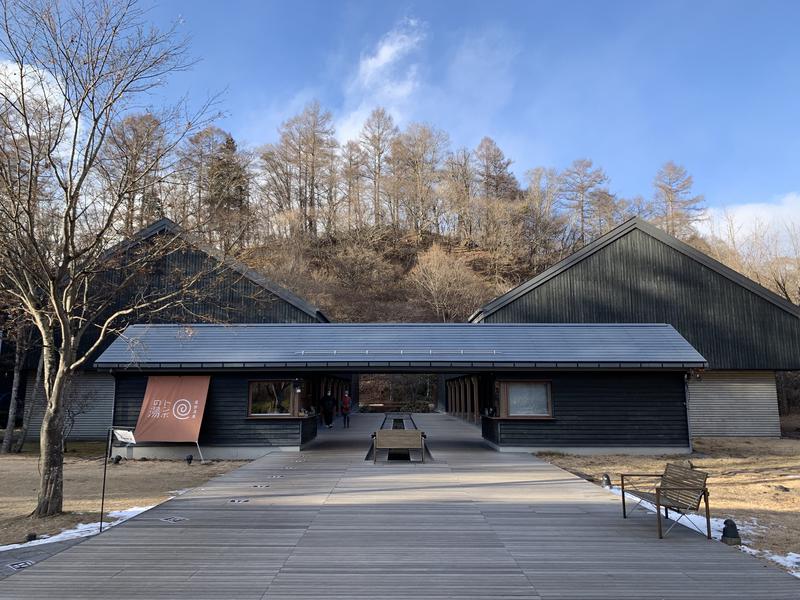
pixel 346 406
pixel 328 404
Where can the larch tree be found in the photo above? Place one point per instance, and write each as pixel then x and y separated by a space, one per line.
pixel 192 175
pixel 137 143
pixel 377 136
pixel 459 183
pixel 580 187
pixel 543 229
pixel 353 166
pixel 72 72
pixel 677 209
pixel 416 160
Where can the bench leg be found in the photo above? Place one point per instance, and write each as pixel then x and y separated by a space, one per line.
pixel 658 514
pixel 708 515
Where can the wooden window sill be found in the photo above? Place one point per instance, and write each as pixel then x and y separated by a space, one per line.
pixel 523 418
pixel 276 416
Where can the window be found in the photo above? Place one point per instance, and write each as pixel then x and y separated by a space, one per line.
pixel 526 399
pixel 272 398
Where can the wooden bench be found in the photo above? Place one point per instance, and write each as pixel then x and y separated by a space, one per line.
pixel 398 439
pixel 679 489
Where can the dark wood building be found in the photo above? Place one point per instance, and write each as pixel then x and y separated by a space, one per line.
pixel 225 291
pixel 569 387
pixel 636 273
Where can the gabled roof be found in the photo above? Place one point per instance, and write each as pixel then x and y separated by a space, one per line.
pixel 636 223
pixel 399 346
pixel 168 226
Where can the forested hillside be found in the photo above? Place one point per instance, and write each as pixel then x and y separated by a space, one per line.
pixel 398 224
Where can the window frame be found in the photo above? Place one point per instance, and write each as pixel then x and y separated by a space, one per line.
pixel 294 401
pixel 504 383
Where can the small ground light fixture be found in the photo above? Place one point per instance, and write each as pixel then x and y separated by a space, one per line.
pixel 117 459
pixel 730 533
pixel 189 459
pixel 606 483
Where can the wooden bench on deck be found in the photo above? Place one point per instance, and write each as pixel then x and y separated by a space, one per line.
pixel 679 489
pixel 398 439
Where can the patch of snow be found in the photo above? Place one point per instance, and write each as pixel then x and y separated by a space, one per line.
pixel 82 529
pixel 790 561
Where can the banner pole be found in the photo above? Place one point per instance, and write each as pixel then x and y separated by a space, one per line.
pixel 105 470
pixel 200 452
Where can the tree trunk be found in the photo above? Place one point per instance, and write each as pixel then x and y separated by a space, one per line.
pixel 30 405
pixel 51 451
pixel 19 354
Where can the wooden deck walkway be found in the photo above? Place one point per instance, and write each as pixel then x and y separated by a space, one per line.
pixel 328 525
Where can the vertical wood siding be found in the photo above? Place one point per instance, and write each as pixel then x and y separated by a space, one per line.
pixel 225 419
pixel 221 296
pixel 734 403
pixel 97 389
pixel 602 409
pixel 638 279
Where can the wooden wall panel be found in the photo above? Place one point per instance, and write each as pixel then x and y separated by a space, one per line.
pixel 603 409
pixel 638 279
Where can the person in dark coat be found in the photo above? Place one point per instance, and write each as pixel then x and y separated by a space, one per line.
pixel 328 404
pixel 347 405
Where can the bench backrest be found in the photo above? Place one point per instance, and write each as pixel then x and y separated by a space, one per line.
pixel 683 486
pixel 398 438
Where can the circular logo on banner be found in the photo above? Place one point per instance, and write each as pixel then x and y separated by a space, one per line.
pixel 182 409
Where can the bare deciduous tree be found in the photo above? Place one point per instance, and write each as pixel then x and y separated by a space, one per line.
pixel 448 285
pixel 72 73
pixel 676 208
pixel 376 139
pixel 22 343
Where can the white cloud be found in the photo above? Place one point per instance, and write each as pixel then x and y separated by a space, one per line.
pixel 462 91
pixel 386 76
pixel 759 218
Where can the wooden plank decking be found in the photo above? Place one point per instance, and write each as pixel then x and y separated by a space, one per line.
pixel 473 524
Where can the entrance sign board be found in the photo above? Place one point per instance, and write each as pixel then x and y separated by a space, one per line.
pixel 172 410
pixel 124 436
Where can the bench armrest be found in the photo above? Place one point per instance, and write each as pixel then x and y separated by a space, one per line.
pixel 671 488
pixel 641 474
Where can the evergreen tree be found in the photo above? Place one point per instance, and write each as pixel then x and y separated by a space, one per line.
pixel 227 203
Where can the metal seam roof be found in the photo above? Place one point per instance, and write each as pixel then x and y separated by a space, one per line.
pixel 398 345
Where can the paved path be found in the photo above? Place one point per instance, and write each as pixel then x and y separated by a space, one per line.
pixel 473 524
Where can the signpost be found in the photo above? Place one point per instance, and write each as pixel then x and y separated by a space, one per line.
pixel 124 435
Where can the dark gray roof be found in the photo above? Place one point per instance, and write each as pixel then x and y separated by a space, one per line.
pixel 169 226
pixel 612 236
pixel 397 346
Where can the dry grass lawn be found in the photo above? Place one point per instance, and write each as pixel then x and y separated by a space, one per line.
pixel 131 483
pixel 750 479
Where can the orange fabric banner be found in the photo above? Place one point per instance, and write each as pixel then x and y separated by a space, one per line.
pixel 172 410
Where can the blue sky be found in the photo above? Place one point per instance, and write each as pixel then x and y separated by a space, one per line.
pixel 714 86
